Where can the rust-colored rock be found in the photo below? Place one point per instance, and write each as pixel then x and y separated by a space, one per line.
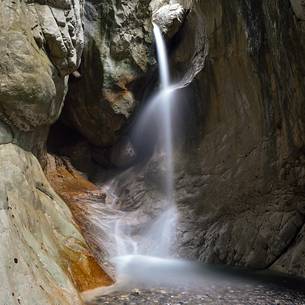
pixel 76 191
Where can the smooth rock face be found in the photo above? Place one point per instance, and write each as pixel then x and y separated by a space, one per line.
pixel 245 173
pixel 240 164
pixel 41 249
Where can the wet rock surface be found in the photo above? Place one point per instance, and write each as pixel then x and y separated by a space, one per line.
pixel 78 193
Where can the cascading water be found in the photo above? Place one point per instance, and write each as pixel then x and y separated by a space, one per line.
pixel 161 232
pixel 152 241
pixel 156 241
pixel 142 252
pixel 165 97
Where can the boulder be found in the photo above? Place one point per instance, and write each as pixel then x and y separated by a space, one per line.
pixel 40 46
pixel 169 18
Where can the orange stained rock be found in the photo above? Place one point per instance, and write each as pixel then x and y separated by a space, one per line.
pixel 84 271
pixel 74 189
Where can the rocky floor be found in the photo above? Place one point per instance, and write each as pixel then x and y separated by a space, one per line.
pixel 210 295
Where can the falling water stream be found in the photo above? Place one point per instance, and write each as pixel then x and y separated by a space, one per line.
pixel 140 237
pixel 165 97
pixel 155 243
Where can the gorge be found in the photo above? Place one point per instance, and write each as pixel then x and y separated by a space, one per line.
pixel 102 159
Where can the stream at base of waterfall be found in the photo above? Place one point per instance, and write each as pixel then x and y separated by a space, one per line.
pixel 197 284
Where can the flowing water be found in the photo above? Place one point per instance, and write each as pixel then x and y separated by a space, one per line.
pixel 154 241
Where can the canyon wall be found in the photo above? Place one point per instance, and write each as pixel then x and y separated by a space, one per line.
pixel 240 162
pixel 239 135
pixel 240 165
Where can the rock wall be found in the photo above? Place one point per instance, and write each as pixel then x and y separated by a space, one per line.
pixel 240 161
pixel 40 45
pixel 245 174
pixel 117 65
pixel 44 258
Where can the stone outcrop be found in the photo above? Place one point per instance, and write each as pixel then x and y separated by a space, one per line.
pixel 169 18
pixel 40 45
pixel 117 53
pixel 44 258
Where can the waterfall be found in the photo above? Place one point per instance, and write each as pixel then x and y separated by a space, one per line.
pixel 161 234
pixel 166 96
pixel 155 240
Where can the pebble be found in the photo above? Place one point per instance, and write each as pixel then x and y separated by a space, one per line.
pixel 207 295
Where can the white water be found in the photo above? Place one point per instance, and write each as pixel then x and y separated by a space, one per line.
pixel 156 240
pixel 166 97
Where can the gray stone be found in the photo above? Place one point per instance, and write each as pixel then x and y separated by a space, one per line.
pixel 35 229
pixel 298 8
pixel 6 135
